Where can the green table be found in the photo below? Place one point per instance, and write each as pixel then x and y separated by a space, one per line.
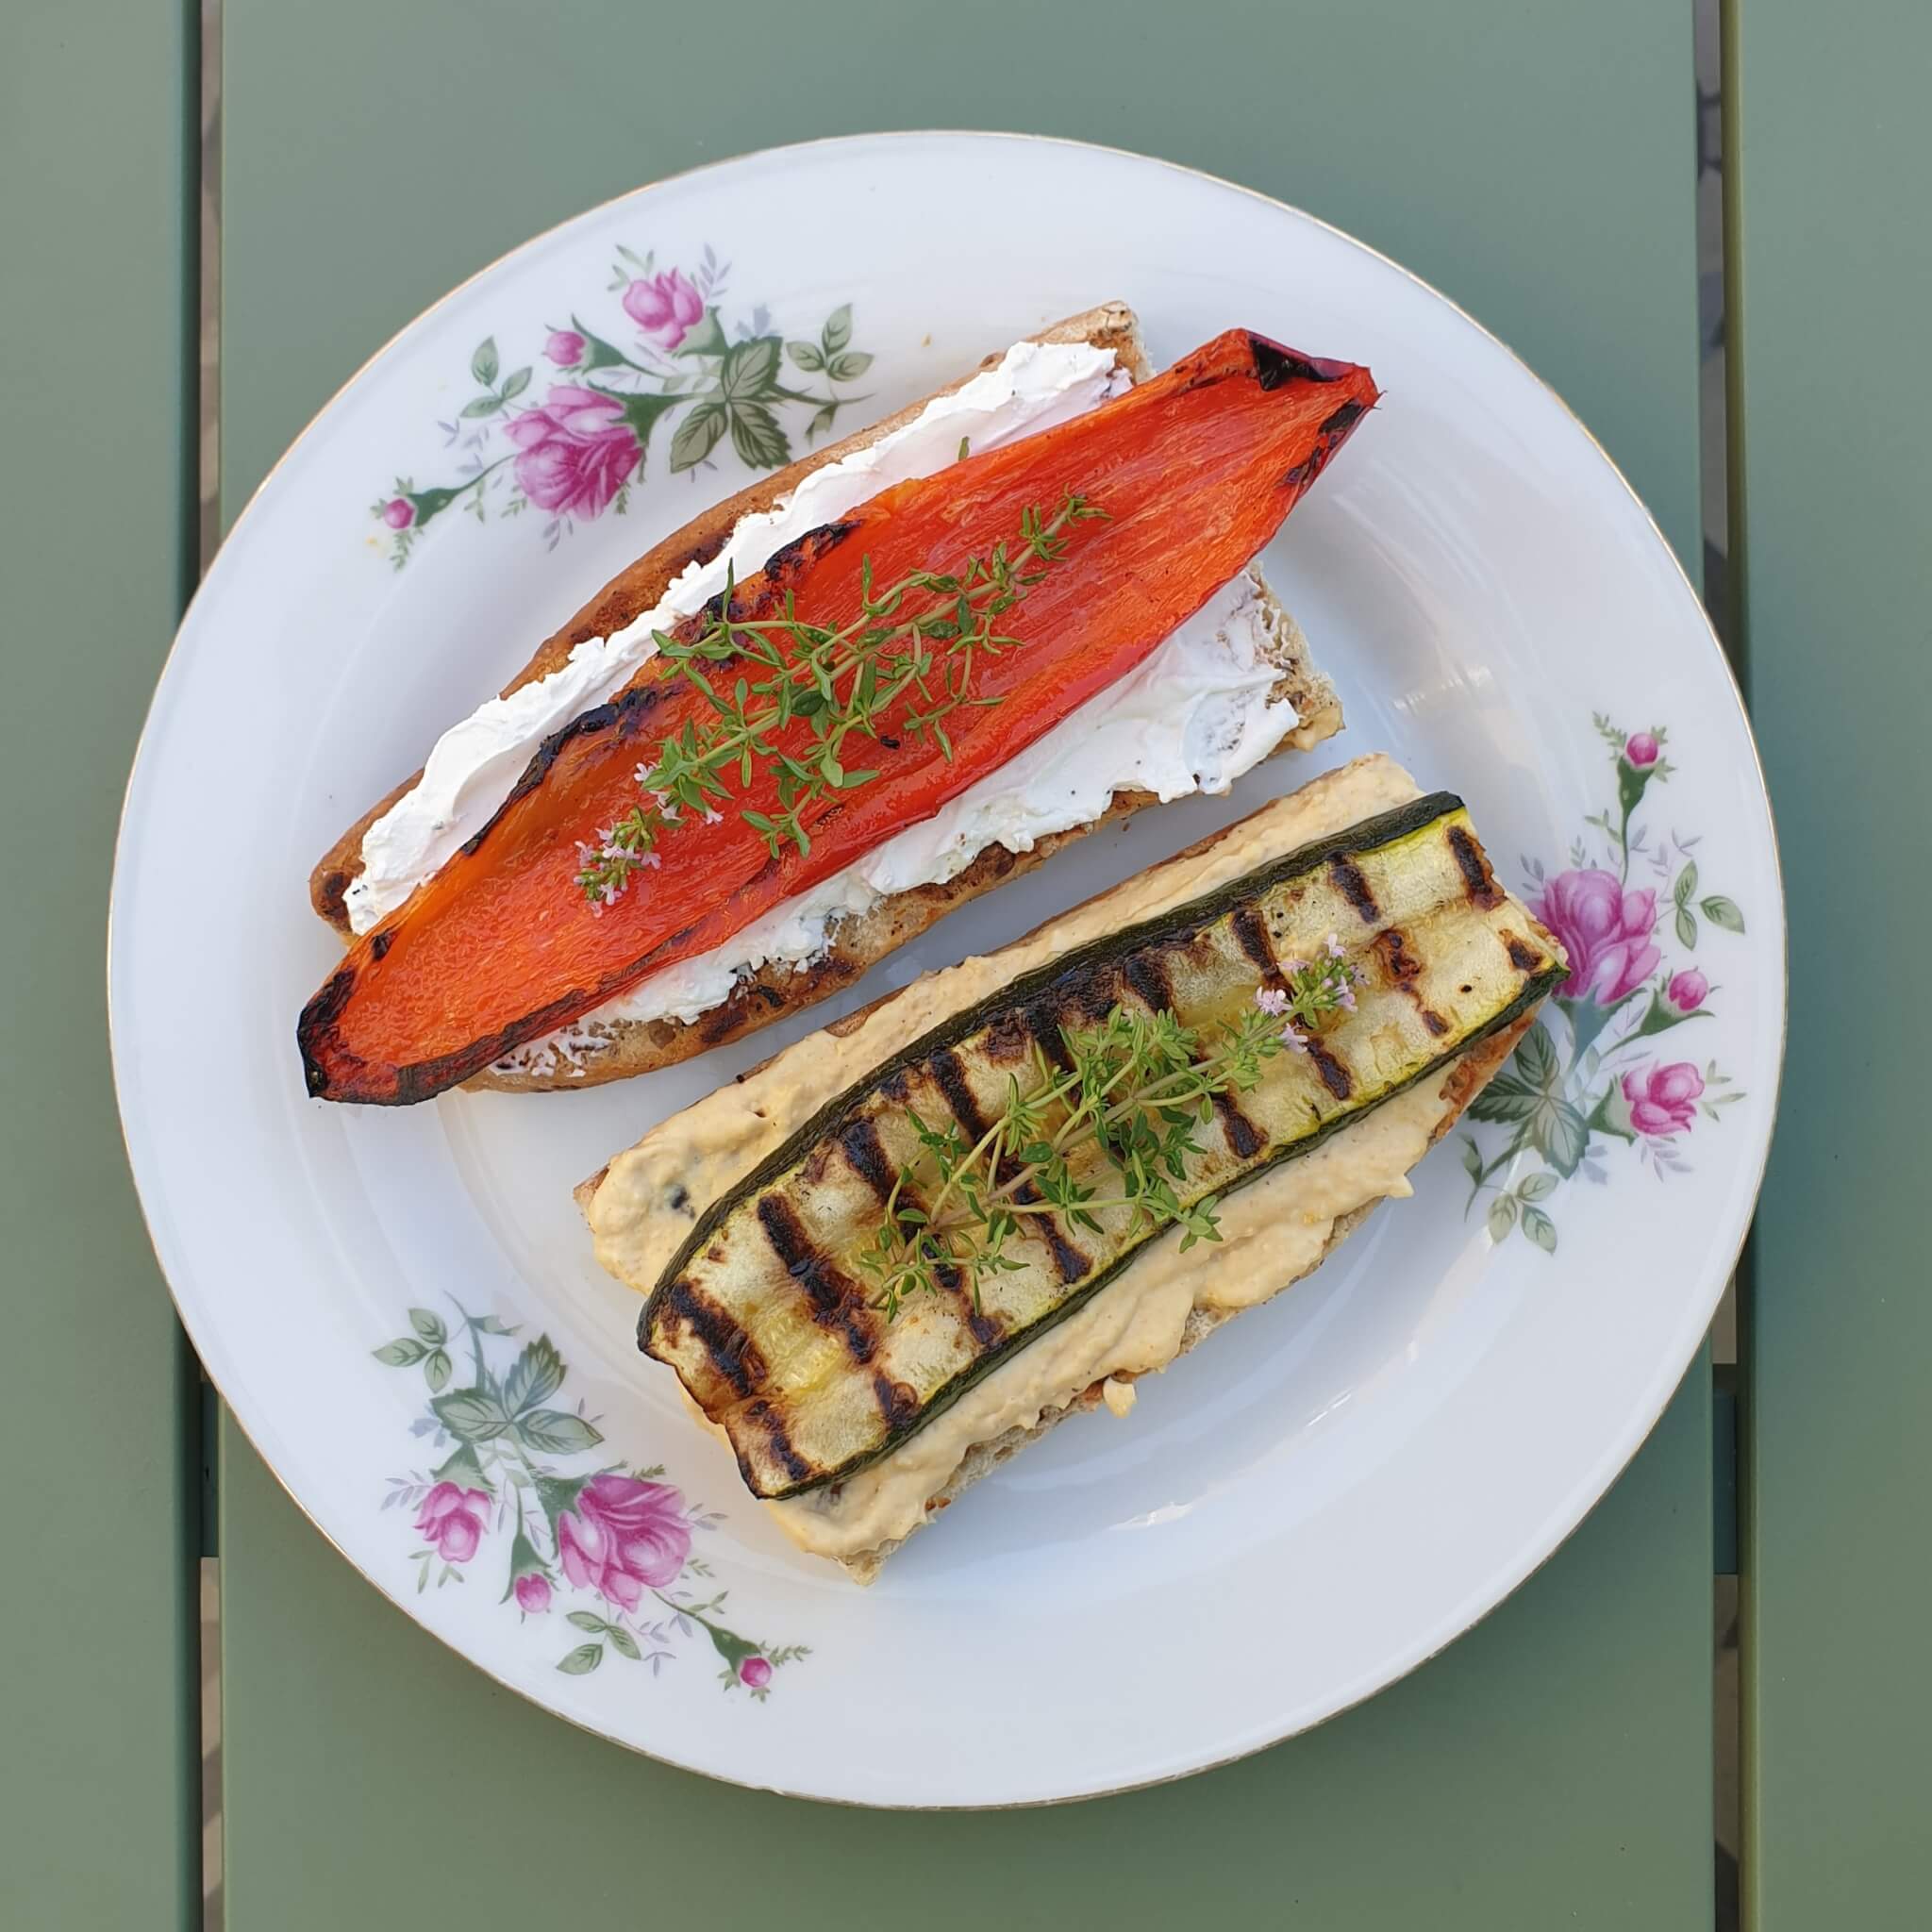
pixel 1555 1766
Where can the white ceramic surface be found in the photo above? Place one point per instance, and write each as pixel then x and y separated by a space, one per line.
pixel 1287 1522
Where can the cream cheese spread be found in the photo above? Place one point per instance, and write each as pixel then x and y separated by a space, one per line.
pixel 472 767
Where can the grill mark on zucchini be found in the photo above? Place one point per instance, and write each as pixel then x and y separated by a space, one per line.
pixel 1044 1025
pixel 772 1424
pixel 1008 1040
pixel 1075 992
pixel 836 1302
pixel 1243 1135
pixel 1522 956
pixel 1148 977
pixel 732 1352
pixel 1478 882
pixel 898 1401
pixel 1404 969
pixel 1390 949
pixel 1090 992
pixel 1251 933
pixel 1335 1076
pixel 865 1153
pixel 1068 1261
pixel 1350 883
pixel 950 1077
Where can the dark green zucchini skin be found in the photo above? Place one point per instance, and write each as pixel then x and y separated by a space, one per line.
pixel 1059 981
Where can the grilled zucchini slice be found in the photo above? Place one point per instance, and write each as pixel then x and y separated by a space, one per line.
pixel 765 1312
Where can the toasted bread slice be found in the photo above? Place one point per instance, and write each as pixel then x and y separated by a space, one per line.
pixel 598 1050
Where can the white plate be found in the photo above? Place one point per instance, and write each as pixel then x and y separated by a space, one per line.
pixel 1285 1523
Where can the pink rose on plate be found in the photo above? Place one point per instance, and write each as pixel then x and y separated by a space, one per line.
pixel 623 1537
pixel 399 512
pixel 565 347
pixel 1663 1100
pixel 1687 990
pixel 1605 929
pixel 755 1671
pixel 1641 748
pixel 664 307
pixel 533 1595
pixel 453 1519
pixel 574 452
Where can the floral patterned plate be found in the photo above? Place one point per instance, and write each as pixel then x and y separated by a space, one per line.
pixel 402 1307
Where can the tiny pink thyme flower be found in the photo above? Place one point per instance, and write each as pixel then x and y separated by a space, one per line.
pixel 1309 989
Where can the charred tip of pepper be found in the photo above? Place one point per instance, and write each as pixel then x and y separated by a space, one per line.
pixel 331 1073
pixel 1275 364
pixel 1344 419
pixel 325 1007
pixel 1333 433
pixel 315 1031
pixel 333 1070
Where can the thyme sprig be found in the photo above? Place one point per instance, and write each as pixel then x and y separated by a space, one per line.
pixel 1121 1114
pixel 895 672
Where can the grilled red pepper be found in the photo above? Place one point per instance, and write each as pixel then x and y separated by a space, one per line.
pixel 1193 470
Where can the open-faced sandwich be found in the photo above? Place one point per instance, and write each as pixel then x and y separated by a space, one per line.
pixel 884 1260
pixel 831 709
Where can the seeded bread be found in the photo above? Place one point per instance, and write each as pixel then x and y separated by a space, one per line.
pixel 599 1051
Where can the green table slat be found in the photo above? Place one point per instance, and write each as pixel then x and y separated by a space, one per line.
pixel 1832 154
pixel 1531 160
pixel 1552 1768
pixel 99 1777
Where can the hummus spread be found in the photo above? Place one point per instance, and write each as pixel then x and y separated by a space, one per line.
pixel 1272 1231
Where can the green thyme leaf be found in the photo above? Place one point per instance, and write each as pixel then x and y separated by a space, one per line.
pixel 1134 1089
pixel 895 672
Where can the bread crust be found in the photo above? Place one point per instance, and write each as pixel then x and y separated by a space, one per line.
pixel 619 1050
